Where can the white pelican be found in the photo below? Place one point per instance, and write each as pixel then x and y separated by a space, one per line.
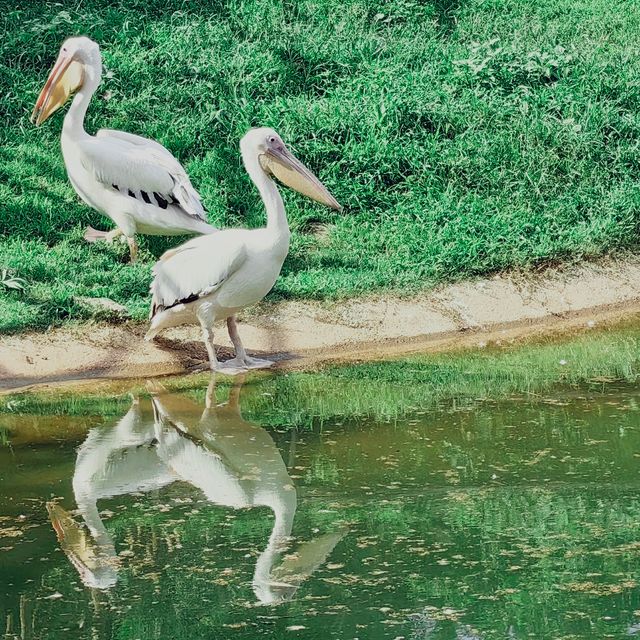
pixel 134 181
pixel 212 277
pixel 114 460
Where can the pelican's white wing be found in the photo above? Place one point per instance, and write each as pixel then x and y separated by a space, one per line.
pixel 141 141
pixel 142 168
pixel 196 268
pixel 120 459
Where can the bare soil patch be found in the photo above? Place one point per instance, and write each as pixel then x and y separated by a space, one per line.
pixel 303 335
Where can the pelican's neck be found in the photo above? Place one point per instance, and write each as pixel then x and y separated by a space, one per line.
pixel 74 120
pixel 284 511
pixel 276 216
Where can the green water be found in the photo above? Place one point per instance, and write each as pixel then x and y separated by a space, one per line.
pixel 320 507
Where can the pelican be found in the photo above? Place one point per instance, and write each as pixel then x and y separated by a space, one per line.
pixel 132 180
pixel 114 460
pixel 212 277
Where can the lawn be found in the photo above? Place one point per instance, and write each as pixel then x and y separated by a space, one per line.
pixel 461 136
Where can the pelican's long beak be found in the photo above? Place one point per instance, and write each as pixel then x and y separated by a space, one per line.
pixel 280 162
pixel 65 77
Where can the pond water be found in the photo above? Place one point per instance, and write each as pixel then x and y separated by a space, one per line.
pixel 203 513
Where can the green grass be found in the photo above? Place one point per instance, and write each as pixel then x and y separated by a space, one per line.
pixel 462 136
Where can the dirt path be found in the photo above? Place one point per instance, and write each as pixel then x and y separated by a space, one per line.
pixel 306 334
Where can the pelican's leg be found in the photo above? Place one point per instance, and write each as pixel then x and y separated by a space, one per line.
pixel 113 234
pixel 206 324
pixel 133 248
pixel 234 393
pixel 242 359
pixel 210 396
pixel 207 337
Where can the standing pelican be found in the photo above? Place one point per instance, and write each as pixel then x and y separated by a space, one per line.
pixel 213 277
pixel 134 181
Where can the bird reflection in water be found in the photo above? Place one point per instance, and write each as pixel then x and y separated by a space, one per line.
pixel 169 438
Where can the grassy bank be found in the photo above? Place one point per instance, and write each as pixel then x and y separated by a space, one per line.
pixel 462 136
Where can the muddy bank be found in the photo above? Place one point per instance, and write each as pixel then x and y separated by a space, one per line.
pixel 308 334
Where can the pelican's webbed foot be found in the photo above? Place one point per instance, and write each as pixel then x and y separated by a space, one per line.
pixel 93 235
pixel 241 365
pixel 257 363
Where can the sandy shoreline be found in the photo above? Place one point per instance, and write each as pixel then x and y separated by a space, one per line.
pixel 305 335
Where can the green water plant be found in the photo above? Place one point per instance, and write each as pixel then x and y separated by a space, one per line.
pixel 387 390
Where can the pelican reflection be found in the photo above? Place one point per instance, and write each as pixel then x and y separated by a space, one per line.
pixel 170 437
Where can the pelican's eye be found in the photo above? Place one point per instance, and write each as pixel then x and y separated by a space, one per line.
pixel 272 139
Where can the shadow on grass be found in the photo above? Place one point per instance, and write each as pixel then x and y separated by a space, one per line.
pixel 446 11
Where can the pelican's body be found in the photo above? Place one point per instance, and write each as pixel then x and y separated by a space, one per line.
pixel 134 181
pixel 113 460
pixel 131 213
pixel 233 462
pixel 237 464
pixel 260 255
pixel 213 277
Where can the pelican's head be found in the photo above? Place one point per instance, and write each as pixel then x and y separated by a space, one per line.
pixel 265 145
pixel 76 57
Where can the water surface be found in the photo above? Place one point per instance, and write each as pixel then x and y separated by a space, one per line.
pixel 204 514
